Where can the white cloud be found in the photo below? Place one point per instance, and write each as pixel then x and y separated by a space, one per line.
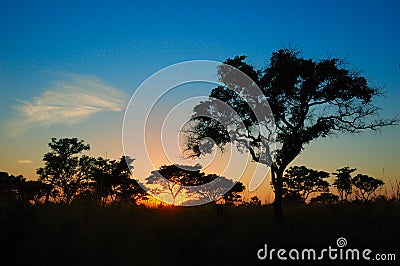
pixel 70 100
pixel 24 161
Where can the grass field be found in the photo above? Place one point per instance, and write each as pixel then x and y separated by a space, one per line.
pixel 205 235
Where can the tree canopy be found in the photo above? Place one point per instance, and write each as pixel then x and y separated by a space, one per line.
pixel 174 180
pixel 343 183
pixel 302 181
pixel 309 99
pixel 366 185
pixel 112 182
pixel 64 171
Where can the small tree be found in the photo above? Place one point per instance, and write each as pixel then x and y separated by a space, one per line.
pixel 366 185
pixel 34 191
pixel 233 196
pixel 255 201
pixel 299 180
pixel 343 182
pixel 325 198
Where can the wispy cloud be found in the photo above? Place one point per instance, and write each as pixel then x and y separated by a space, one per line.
pixel 24 161
pixel 71 99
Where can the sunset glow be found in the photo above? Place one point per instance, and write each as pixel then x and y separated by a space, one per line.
pixel 57 81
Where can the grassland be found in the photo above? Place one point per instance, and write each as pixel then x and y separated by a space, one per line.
pixel 205 235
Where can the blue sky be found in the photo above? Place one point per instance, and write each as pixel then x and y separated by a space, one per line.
pixel 47 47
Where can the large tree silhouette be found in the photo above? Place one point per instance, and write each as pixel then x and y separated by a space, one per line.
pixel 65 173
pixel 309 99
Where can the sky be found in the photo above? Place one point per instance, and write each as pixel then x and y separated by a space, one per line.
pixel 69 68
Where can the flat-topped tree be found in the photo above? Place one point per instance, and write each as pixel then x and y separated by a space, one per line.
pixel 174 180
pixel 366 186
pixel 309 99
pixel 302 181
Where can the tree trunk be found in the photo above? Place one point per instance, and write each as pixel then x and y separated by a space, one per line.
pixel 277 181
pixel 48 192
pixel 47 199
pixel 68 199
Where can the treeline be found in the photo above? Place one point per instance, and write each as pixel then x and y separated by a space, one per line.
pixel 69 176
pixel 104 182
pixel 300 182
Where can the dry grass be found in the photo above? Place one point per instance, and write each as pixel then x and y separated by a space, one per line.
pixel 207 235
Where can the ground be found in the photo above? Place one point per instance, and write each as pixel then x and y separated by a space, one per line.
pixel 205 235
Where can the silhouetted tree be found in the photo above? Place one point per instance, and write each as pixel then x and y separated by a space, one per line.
pixel 176 177
pixel 11 187
pixel 33 191
pixel 255 201
pixel 325 198
pixel 293 197
pixel 113 182
pixel 233 196
pixel 171 179
pixel 213 193
pixel 65 173
pixel 301 181
pixel 366 185
pixel 18 189
pixel 309 99
pixel 343 182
